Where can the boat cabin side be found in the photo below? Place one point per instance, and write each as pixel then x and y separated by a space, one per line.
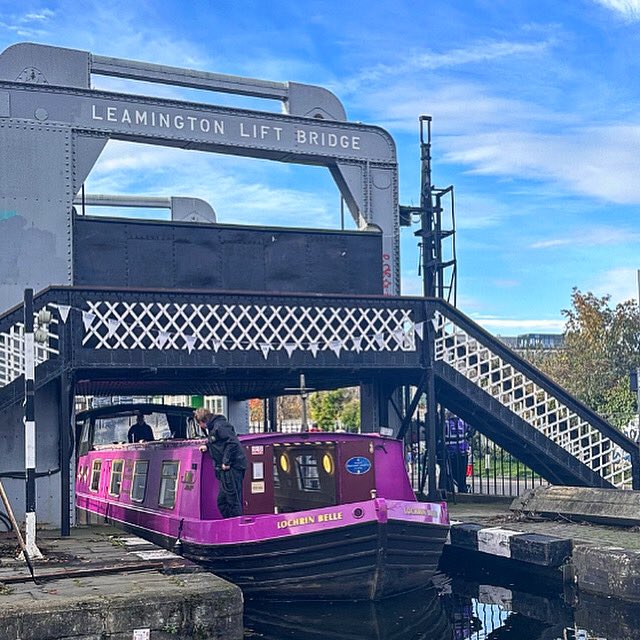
pixel 310 471
pixel 285 473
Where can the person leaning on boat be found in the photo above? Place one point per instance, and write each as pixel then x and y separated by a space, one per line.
pixel 228 458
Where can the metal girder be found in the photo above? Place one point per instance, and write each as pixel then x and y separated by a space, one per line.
pixel 45 89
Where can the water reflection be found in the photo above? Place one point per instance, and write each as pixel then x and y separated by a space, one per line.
pixel 453 609
pixel 415 616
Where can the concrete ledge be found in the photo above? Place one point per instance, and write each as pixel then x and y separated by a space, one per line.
pixel 197 605
pixel 529 548
pixel 606 506
pixel 609 571
pixel 535 548
pixel 101 584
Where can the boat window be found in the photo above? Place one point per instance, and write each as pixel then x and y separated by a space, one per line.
pixel 304 476
pixel 307 473
pixel 96 468
pixel 116 477
pixel 139 483
pixel 168 481
pixel 110 430
pixel 84 428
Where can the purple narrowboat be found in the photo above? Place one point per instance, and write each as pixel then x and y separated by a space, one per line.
pixel 326 515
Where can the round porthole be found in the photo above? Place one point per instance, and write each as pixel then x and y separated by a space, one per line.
pixel 327 463
pixel 284 462
pixel 358 512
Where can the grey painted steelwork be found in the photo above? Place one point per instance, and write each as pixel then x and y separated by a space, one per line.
pixel 182 209
pixel 53 127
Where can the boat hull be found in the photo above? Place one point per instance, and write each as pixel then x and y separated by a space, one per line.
pixel 371 559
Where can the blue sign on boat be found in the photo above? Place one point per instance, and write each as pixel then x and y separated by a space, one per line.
pixel 358 465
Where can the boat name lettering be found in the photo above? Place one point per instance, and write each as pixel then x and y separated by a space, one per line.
pixel 417 511
pixel 331 516
pixel 295 522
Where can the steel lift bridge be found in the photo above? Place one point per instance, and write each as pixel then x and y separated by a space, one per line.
pixel 130 307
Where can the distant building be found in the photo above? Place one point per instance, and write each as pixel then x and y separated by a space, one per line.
pixel 529 341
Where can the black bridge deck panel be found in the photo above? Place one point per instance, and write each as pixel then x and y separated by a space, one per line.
pixel 141 254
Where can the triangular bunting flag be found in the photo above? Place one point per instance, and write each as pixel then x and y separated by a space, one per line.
pixel 190 340
pixel 290 347
pixel 419 327
pixel 265 347
pixel 63 310
pixel 398 334
pixel 379 338
pixel 163 336
pixel 217 343
pixel 336 346
pixel 313 347
pixel 87 319
pixel 113 325
pixel 434 322
pixel 357 344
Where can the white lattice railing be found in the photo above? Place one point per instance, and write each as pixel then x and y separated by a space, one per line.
pixel 12 352
pixel 246 327
pixel 538 407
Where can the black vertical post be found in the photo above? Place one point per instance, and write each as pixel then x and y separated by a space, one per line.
pixel 273 414
pixel 432 406
pixel 66 448
pixel 29 420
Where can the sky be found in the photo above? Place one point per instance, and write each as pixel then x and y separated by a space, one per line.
pixel 535 124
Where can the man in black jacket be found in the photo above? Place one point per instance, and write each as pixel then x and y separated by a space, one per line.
pixel 228 457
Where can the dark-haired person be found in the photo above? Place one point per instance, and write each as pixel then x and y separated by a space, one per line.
pixel 140 431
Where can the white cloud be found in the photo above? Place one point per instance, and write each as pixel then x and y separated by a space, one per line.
pixel 629 10
pixel 516 326
pixel 238 189
pixel 600 162
pixel 478 52
pixel 592 237
pixel 621 284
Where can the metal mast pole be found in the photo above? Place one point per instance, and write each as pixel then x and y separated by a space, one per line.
pixel 427 236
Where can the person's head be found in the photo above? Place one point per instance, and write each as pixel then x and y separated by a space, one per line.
pixel 202 416
pixel 139 417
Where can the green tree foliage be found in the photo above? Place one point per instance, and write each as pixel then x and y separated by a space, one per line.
pixel 601 347
pixel 339 408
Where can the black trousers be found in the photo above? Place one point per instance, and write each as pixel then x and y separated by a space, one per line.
pixel 230 492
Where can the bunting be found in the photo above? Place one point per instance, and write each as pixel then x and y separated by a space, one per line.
pixel 336 346
pixel 87 319
pixel 191 341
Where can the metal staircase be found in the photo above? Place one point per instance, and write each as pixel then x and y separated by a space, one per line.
pixel 524 411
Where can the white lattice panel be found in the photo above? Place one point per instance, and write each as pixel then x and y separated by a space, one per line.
pixel 238 327
pixel 12 350
pixel 530 402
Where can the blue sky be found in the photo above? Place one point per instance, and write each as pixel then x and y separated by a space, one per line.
pixel 536 124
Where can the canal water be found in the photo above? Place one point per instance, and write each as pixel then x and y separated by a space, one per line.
pixel 450 609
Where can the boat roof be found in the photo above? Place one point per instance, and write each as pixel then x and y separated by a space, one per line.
pixel 132 408
pixel 309 437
